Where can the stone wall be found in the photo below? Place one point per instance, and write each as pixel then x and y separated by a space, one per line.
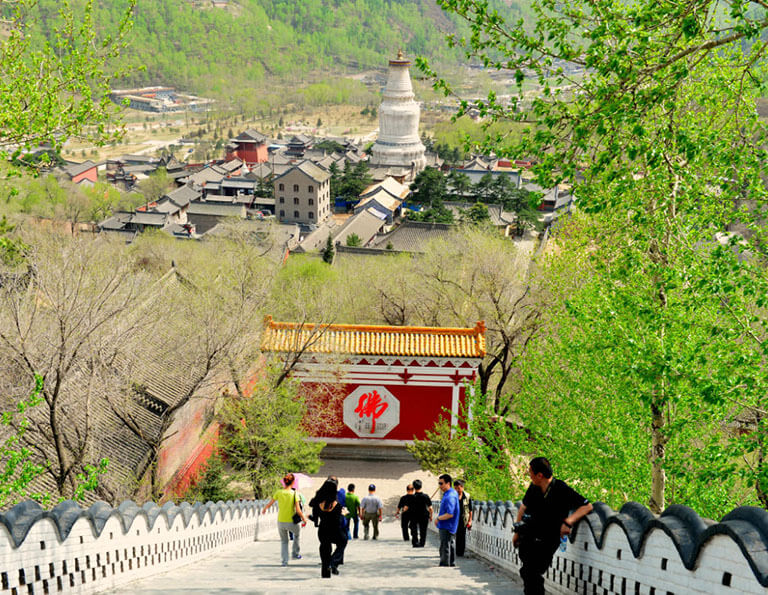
pixel 74 550
pixel 635 552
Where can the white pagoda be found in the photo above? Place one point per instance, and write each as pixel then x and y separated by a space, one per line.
pixel 399 144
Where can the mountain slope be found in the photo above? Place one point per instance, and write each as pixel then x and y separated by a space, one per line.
pixel 191 44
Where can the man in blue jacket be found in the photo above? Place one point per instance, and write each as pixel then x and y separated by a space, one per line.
pixel 447 521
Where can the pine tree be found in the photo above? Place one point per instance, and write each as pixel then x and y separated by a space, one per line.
pixel 328 252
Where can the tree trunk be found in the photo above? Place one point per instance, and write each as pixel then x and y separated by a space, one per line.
pixel 658 443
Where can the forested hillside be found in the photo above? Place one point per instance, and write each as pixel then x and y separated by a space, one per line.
pixel 210 50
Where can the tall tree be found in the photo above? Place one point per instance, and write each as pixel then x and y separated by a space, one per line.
pixel 57 87
pixel 654 108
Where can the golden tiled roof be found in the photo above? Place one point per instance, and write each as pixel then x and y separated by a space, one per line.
pixel 415 341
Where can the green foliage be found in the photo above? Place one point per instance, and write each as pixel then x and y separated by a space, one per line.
pixel 89 480
pixel 173 40
pixel 477 213
pixel 651 367
pixel 328 251
pixel 436 214
pixel 156 185
pixel 439 452
pixel 212 484
pixel 478 449
pixel 331 146
pixel 17 469
pixel 429 187
pixel 46 196
pixel 354 240
pixel 55 83
pixel 12 249
pixel 262 434
pixel 352 181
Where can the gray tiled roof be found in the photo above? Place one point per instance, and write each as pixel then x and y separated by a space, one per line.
pixel 251 135
pixel 316 173
pixel 183 196
pixel 78 168
pixel 413 236
pixel 365 225
pixel 216 209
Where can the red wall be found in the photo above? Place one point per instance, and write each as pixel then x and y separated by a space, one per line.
pixel 420 408
pixel 252 153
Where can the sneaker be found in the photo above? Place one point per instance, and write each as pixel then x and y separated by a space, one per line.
pixel 284 564
pixel 297 557
pixel 334 570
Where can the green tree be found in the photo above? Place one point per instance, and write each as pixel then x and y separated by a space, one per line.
pixel 12 248
pixel 354 180
pixel 429 188
pixel 459 183
pixel 354 240
pixel 263 434
pixel 156 185
pixel 212 483
pixel 335 172
pixel 667 169
pixel 328 251
pixel 477 213
pixel 56 88
pixel 484 188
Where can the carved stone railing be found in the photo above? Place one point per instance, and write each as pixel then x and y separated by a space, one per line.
pixel 74 550
pixel 633 551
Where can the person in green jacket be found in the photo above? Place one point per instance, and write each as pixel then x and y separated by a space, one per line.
pixel 353 510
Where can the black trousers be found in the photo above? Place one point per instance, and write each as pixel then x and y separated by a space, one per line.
pixel 461 539
pixel 536 556
pixel 330 559
pixel 419 531
pixel 405 522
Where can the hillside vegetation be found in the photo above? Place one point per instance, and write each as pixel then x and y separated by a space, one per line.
pixel 217 50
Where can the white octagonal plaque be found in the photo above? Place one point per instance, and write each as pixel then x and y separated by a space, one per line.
pixel 371 411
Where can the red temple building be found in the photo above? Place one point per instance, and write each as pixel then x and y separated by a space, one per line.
pixel 249 146
pixel 395 382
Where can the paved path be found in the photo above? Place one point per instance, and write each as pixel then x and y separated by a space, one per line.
pixel 387 565
pixel 389 477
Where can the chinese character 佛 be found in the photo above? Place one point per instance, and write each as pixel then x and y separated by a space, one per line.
pixel 371 405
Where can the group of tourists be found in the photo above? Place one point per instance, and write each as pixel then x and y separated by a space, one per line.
pixel 549 510
pixel 337 514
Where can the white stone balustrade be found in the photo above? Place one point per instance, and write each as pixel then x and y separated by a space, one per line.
pixel 75 550
pixel 635 552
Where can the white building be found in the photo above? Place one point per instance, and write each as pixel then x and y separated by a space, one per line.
pixel 399 143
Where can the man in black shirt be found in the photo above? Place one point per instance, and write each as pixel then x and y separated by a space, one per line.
pixel 551 508
pixel 421 514
pixel 403 510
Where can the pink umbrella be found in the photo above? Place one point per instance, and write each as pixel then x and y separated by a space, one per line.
pixel 301 481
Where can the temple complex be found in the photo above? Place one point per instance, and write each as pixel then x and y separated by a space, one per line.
pixel 398 144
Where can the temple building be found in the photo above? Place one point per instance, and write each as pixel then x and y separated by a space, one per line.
pixel 391 383
pixel 399 144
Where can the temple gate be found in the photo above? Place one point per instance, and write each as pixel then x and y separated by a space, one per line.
pixel 395 382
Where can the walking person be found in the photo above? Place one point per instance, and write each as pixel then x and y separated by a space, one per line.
pixel 421 515
pixel 326 512
pixel 289 515
pixel 403 511
pixel 550 509
pixel 447 521
pixel 338 554
pixel 371 511
pixel 465 516
pixel 353 511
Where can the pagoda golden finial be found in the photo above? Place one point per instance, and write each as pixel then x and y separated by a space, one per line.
pixel 400 54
